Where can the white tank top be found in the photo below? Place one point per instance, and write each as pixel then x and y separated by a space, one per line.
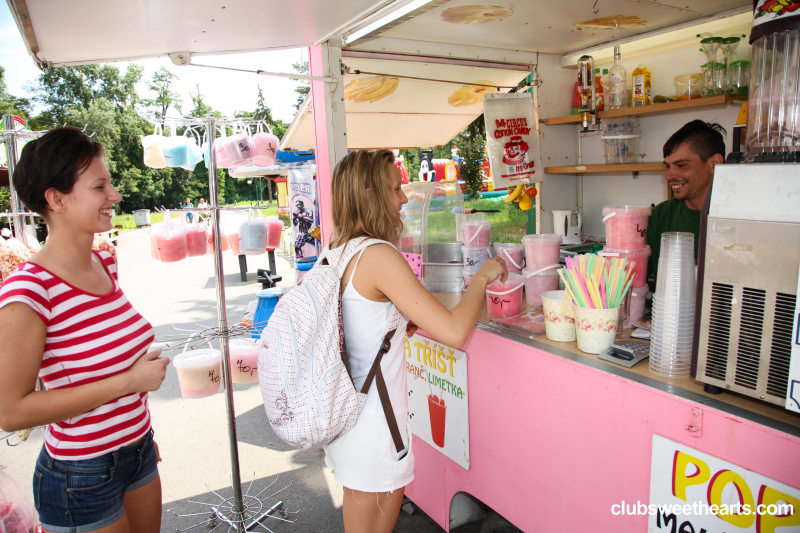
pixel 363 324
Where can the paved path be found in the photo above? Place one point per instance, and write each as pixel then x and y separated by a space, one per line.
pixel 192 434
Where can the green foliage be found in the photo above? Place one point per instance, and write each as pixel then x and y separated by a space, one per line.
pixel 11 105
pixel 302 90
pixel 161 84
pixel 471 143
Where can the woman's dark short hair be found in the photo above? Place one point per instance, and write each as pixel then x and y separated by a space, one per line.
pixel 53 161
pixel 704 138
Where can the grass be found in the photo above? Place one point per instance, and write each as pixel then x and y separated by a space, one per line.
pixel 126 219
pixel 509 225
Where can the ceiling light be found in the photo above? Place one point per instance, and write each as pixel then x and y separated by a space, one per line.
pixel 401 11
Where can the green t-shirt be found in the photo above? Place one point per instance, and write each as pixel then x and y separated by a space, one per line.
pixel 672 215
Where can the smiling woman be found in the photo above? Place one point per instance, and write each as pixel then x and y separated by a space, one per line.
pixel 64 318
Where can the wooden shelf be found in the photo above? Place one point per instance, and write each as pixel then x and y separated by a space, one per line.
pixel 627 167
pixel 655 109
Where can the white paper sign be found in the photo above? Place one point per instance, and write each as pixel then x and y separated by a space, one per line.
pixel 694 491
pixel 511 138
pixel 437 396
pixel 793 387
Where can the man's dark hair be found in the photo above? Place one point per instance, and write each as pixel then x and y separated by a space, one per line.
pixel 53 161
pixel 704 138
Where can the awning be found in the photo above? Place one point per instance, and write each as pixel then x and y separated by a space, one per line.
pixel 415 113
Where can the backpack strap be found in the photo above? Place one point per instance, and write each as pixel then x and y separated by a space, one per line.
pixel 383 392
pixel 340 257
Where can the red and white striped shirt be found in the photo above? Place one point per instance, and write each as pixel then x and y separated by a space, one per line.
pixel 89 337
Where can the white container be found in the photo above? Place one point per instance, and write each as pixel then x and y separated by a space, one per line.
pixel 474 258
pixel 253 235
pixel 199 372
pixel 595 329
pixel 141 217
pixel 244 360
pixel 559 317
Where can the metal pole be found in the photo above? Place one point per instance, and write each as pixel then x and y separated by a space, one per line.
pixel 13 157
pixel 213 191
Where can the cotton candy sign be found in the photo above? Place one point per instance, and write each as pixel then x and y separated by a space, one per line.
pixel 511 138
pixel 415 262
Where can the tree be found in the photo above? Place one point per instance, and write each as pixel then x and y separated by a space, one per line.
pixel 303 89
pixel 471 144
pixel 263 112
pixel 11 105
pixel 161 84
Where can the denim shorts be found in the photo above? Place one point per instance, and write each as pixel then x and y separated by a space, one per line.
pixel 77 496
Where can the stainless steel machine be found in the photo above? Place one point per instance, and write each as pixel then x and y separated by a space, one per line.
pixel 747 280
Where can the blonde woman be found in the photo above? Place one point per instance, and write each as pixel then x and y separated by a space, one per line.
pixel 367 198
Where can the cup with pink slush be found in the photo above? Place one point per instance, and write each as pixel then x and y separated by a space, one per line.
pixel 626 226
pixel 541 250
pixel 504 298
pixel 512 253
pixel 438 413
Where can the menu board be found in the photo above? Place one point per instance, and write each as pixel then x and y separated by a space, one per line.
pixel 437 396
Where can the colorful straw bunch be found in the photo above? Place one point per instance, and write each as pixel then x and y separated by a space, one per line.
pixel 596 282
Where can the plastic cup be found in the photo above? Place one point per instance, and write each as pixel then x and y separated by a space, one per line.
pixel 274 230
pixel 638 298
pixel 253 236
pixel 559 317
pixel 438 415
pixel 476 233
pixel 504 298
pixel 640 256
pixel 626 226
pixel 170 244
pixel 244 360
pixel 219 153
pixel 541 250
pixel 237 149
pixel 199 372
pixel 595 329
pixel 474 258
pixel 176 151
pixel 512 254
pixel 536 284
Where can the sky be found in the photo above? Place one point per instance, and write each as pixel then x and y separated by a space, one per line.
pixel 225 91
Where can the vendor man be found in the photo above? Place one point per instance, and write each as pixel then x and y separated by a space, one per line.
pixel 690 156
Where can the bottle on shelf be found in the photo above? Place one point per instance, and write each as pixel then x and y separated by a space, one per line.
pixel 598 97
pixel 617 82
pixel 641 84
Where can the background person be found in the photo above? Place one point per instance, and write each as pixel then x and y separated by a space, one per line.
pixel 64 318
pixel 367 198
pixel 691 155
pixel 186 205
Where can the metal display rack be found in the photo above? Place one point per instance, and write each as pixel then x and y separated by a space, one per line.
pixel 241 512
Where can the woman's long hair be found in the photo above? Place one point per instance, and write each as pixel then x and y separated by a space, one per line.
pixel 357 212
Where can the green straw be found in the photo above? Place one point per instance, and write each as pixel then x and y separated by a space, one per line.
pixel 625 290
pixel 575 290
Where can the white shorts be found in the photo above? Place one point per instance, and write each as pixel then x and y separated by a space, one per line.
pixel 365 459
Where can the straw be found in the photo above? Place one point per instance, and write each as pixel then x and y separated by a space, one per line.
pixel 603 291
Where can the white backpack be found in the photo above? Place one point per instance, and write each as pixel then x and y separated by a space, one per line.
pixel 305 380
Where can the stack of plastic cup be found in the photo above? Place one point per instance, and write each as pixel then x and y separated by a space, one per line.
pixel 673 315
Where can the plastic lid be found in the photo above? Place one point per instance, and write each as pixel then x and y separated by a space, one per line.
pixel 638 135
pixel 596 70
pixel 637 252
pixel 605 71
pixel 743 62
pixel 244 341
pixel 731 40
pixel 197 358
pixel 475 223
pixel 508 246
pixel 542 237
pixel 711 40
pixel 513 281
pixel 270 293
pixel 627 210
pixel 305 267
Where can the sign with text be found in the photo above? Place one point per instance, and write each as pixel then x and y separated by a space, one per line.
pixel 793 389
pixel 302 204
pixel 511 138
pixel 694 491
pixel 437 396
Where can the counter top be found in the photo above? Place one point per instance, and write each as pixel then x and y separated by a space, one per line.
pixel 688 388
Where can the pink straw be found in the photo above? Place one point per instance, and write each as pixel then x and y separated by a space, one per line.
pixel 585 290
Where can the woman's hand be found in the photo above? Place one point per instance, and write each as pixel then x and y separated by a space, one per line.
pixel 411 328
pixel 158 453
pixel 493 268
pixel 147 373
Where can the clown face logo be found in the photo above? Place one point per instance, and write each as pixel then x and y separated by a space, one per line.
pixel 515 151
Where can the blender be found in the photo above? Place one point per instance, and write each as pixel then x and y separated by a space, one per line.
pixel 711 68
pixel 729 45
